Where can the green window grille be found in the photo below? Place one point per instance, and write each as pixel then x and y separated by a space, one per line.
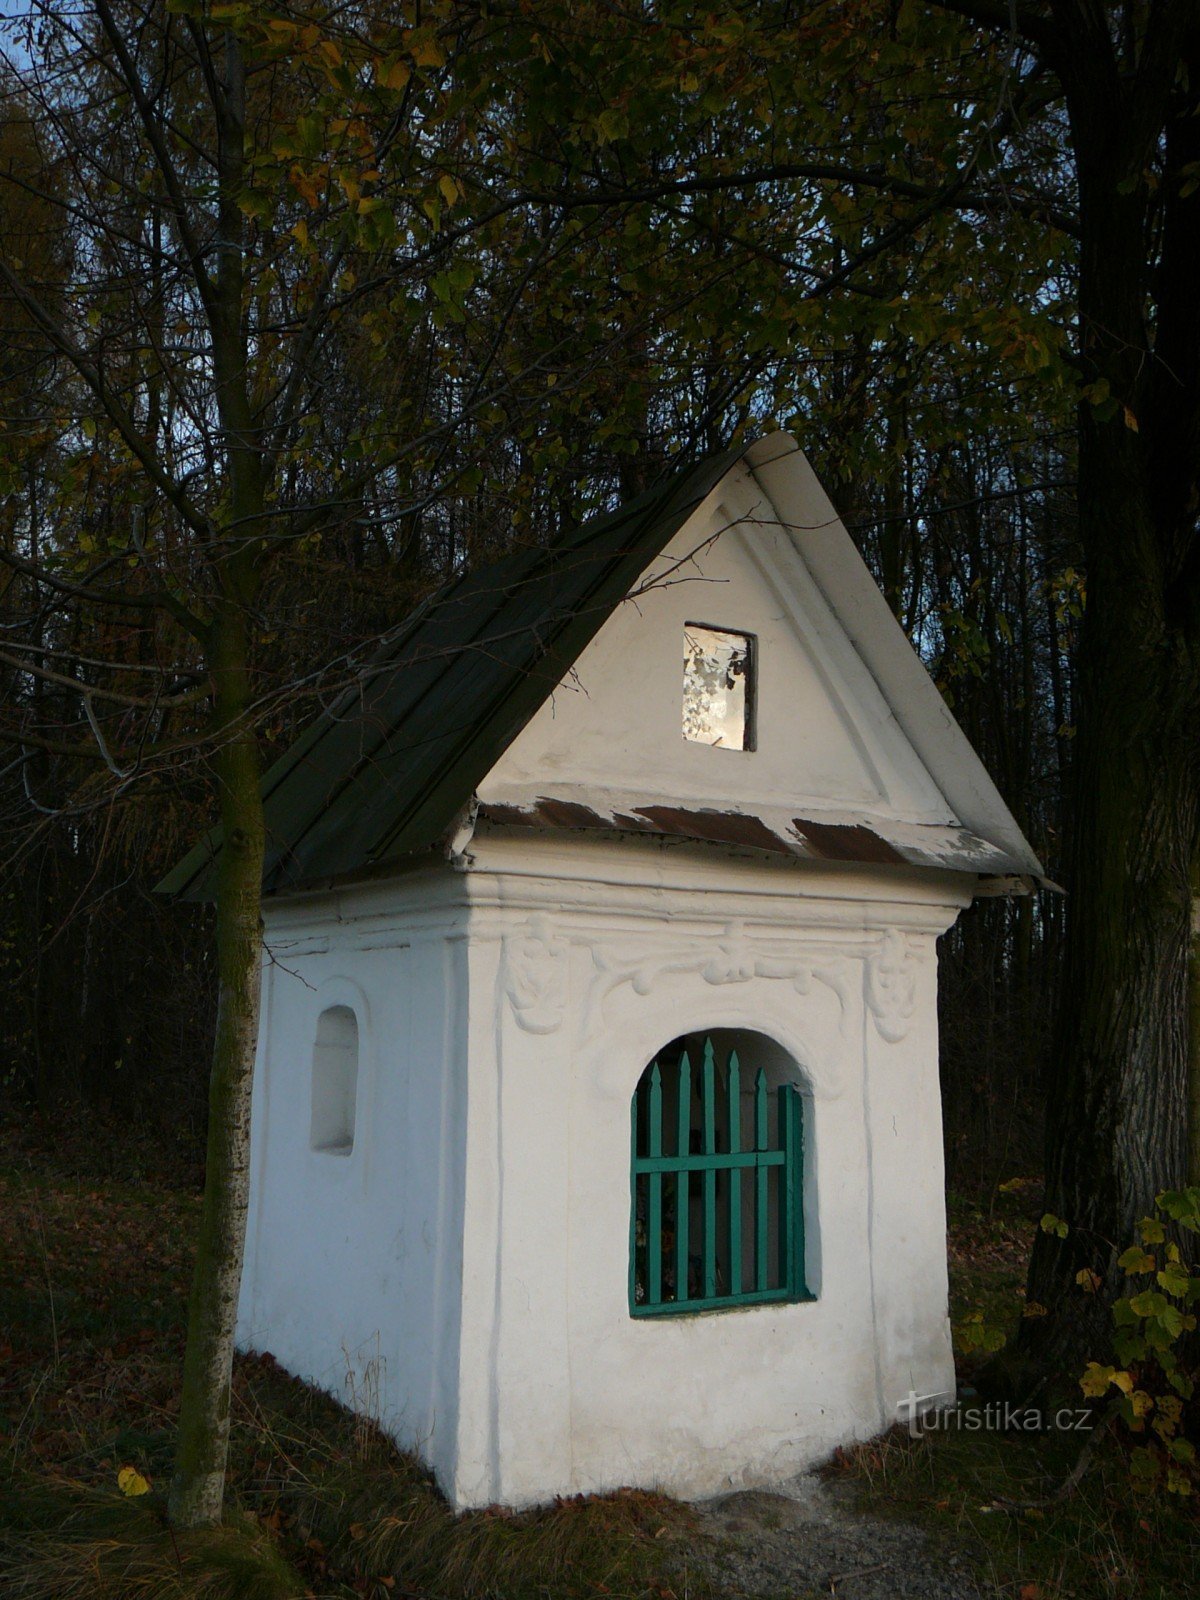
pixel 717 1221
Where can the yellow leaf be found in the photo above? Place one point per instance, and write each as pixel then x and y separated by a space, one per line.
pixel 1123 1382
pixel 449 188
pixel 395 76
pixel 1034 1309
pixel 300 232
pixel 130 1482
pixel 1096 1378
pixel 425 49
pixel 1131 422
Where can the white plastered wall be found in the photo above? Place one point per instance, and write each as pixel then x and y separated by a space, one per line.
pixel 578 976
pixel 353 1262
pixel 463 1273
pixel 828 744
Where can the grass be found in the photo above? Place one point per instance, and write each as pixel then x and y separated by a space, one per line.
pixel 92 1303
pixel 1103 1541
pixel 93 1287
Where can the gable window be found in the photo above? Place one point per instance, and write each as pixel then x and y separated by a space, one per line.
pixel 334 1081
pixel 717 1183
pixel 718 687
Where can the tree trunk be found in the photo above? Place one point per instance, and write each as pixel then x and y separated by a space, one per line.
pixel 1117 1095
pixel 1194 1032
pixel 1117 1091
pixel 197 1489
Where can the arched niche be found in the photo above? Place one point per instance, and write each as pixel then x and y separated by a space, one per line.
pixel 722 1193
pixel 334 1081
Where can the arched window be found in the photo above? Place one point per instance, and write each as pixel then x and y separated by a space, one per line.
pixel 717 1183
pixel 334 1081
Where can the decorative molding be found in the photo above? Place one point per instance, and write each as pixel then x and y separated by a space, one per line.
pixel 890 963
pixel 534 967
pixel 890 983
pixel 735 960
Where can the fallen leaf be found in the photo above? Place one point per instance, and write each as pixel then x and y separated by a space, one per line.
pixel 131 1483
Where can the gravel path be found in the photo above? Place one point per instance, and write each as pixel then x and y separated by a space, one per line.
pixel 805 1539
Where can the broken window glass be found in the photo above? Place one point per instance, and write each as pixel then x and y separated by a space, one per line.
pixel 718 692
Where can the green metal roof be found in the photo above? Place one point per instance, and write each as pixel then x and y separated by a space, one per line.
pixel 383 774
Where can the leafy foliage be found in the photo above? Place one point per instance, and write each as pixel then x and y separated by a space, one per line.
pixel 1155 1381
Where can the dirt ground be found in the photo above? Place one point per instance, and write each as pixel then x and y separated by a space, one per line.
pixel 807 1538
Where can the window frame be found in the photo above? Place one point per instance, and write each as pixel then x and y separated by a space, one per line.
pixel 751 676
pixel 785 1154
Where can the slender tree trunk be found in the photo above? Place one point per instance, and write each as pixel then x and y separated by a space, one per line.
pixel 197 1489
pixel 1194 1032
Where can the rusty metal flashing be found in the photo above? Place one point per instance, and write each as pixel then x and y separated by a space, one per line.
pixel 768 831
pixel 846 841
pixel 715 827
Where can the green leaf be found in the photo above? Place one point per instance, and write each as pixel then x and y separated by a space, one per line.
pixel 1148 1304
pixel 1175 1281
pixel 1135 1259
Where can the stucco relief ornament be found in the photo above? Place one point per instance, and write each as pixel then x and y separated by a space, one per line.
pixel 535 975
pixel 890 984
pixel 735 960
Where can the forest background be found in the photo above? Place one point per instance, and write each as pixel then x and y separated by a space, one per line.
pixel 596 245
pixel 308 308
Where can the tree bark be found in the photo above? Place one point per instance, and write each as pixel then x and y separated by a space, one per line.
pixel 1117 1096
pixel 198 1486
pixel 1194 1033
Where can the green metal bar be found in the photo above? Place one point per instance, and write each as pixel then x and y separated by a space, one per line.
pixel 787 1190
pixel 683 1183
pixel 722 1161
pixel 710 1173
pixel 734 1090
pixel 654 1242
pixel 799 1285
pixel 652 1169
pixel 723 1302
pixel 633 1188
pixel 762 1193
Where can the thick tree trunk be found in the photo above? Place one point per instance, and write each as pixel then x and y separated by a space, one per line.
pixel 1117 1096
pixel 197 1489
